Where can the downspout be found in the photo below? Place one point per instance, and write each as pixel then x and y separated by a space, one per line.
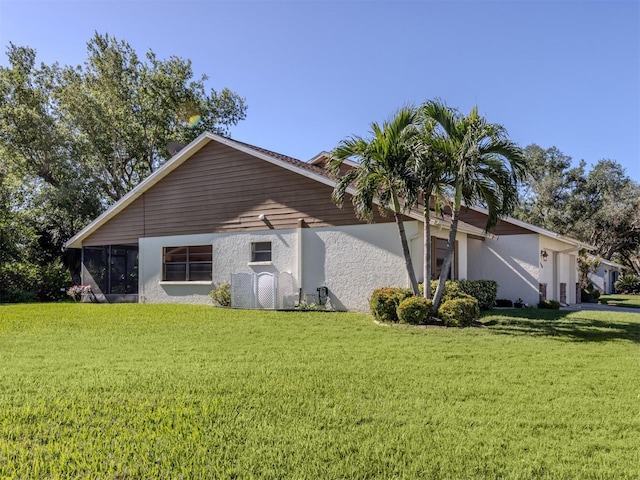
pixel 556 286
pixel 299 258
pixel 82 265
pixel 141 296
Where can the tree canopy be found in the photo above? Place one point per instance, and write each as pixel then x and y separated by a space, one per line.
pixel 384 172
pixel 75 139
pixel 599 206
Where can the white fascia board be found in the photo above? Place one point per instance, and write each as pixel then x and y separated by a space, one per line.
pixel 540 230
pixel 316 158
pixel 609 263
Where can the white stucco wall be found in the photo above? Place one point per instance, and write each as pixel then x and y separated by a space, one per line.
pixel 231 254
pixel 605 278
pixel 560 267
pixel 513 261
pixel 350 261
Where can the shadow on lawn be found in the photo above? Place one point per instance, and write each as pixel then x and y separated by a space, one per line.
pixel 562 324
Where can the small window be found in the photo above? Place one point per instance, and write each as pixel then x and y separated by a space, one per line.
pixel 261 252
pixel 187 264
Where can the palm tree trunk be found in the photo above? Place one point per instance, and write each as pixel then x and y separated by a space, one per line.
pixel 406 253
pixel 427 254
pixel 446 264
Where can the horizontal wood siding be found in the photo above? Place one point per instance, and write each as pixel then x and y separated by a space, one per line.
pixel 124 228
pixel 221 189
pixel 479 219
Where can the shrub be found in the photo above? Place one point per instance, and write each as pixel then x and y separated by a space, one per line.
pixel 19 282
pixel 502 302
pixel 485 291
pixel 415 310
pixel 28 282
pixel 54 280
pixel 628 284
pixel 459 312
pixel 385 301
pixel 451 289
pixel 589 293
pixel 221 295
pixel 549 304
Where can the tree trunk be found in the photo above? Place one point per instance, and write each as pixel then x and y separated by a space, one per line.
pixel 427 254
pixel 407 254
pixel 446 264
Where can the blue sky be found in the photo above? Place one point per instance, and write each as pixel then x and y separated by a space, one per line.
pixel 556 73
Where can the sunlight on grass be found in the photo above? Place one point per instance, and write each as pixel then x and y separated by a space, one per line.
pixel 632 301
pixel 147 391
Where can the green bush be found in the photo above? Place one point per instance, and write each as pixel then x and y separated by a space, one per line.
pixel 221 295
pixel 485 291
pixel 22 282
pixel 19 282
pixel 54 280
pixel 628 284
pixel 549 304
pixel 451 289
pixel 384 302
pixel 589 293
pixel 459 312
pixel 415 310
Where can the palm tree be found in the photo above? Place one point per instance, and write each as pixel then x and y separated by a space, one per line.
pixel 485 167
pixel 433 185
pixel 383 174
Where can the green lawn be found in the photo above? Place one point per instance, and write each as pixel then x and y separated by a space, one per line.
pixel 631 301
pixel 147 391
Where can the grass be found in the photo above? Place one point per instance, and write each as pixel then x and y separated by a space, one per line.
pixel 149 391
pixel 630 301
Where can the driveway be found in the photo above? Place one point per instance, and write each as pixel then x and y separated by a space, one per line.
pixel 600 307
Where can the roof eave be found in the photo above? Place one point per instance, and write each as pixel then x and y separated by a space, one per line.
pixel 539 230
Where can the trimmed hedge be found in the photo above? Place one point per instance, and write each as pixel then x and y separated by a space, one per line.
pixel 459 312
pixel 384 302
pixel 484 291
pixel 415 310
pixel 589 293
pixel 549 304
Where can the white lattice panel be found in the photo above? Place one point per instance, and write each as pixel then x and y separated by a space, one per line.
pixel 265 291
pixel 242 291
pixel 286 290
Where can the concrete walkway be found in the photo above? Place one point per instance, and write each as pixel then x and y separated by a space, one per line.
pixel 601 307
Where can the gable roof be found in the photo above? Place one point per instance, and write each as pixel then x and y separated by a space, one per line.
pixel 309 170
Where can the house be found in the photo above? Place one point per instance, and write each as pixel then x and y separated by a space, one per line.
pixel 605 277
pixel 222 210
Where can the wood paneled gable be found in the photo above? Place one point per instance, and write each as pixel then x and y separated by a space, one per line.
pixel 222 189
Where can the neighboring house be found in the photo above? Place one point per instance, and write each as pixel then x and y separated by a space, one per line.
pixel 606 276
pixel 223 210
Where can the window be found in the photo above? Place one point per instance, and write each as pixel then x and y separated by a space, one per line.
pixel 438 252
pixel 187 264
pixel 261 252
